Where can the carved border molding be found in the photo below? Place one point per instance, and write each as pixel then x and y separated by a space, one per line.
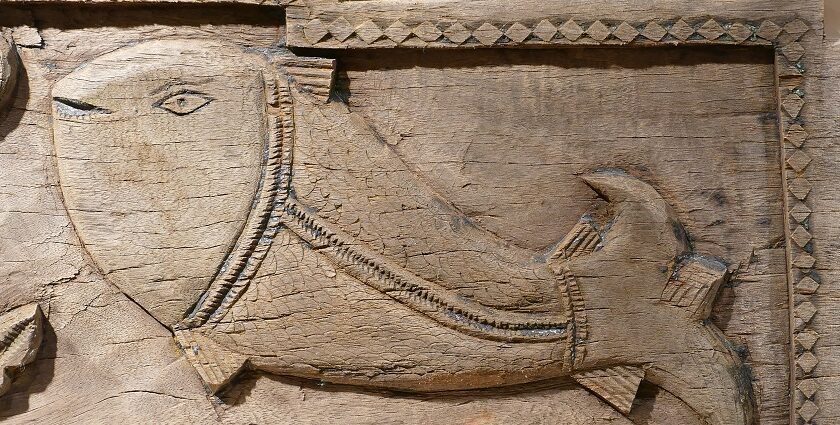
pixel 783 34
pixel 803 279
pixel 341 33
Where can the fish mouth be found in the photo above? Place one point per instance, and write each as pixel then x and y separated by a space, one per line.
pixel 77 110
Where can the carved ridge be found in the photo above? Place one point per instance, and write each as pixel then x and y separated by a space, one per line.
pixel 578 331
pixel 583 239
pixel 253 243
pixel 426 297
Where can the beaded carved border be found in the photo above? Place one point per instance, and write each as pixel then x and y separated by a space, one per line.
pixel 783 34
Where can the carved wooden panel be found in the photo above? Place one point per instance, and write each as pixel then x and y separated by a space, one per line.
pixel 383 211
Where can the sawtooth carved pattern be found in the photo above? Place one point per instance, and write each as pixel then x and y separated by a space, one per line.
pixel 803 277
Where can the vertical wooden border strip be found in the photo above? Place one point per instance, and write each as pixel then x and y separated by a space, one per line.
pixel 803 281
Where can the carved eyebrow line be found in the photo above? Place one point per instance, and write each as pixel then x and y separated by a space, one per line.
pixel 168 96
pixel 174 83
pixel 166 87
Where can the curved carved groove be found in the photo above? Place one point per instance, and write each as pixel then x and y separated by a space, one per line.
pixel 261 226
pixel 22 332
pixel 155 186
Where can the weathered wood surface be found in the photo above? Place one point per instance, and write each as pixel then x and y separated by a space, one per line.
pixel 219 230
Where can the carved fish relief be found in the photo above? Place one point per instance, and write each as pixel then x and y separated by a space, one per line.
pixel 180 161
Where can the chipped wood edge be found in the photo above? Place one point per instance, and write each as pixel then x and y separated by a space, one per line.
pixel 9 64
pixel 21 334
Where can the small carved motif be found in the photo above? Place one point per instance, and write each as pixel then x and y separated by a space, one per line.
pixel 21 332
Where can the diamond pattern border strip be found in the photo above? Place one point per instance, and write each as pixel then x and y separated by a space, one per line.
pixel 803 275
pixel 341 33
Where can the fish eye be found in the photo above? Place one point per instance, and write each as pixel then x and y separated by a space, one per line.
pixel 184 102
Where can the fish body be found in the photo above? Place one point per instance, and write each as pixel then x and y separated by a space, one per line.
pixel 292 239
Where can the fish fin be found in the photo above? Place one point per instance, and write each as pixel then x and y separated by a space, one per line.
pixel 215 364
pixel 615 385
pixel 314 76
pixel 694 285
pixel 21 333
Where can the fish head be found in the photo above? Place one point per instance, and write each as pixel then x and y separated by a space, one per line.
pixel 159 148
